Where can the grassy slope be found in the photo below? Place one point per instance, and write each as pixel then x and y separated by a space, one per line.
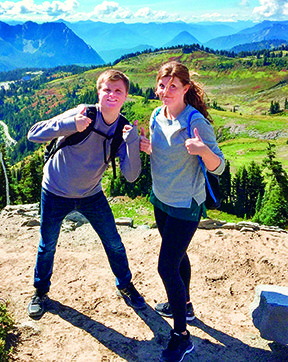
pixel 243 135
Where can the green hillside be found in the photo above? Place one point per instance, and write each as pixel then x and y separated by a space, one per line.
pixel 247 99
pixel 242 88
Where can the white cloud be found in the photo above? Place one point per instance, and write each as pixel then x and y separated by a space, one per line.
pixel 244 3
pixel 110 10
pixel 149 14
pixel 27 9
pixel 275 9
pixel 51 10
pixel 211 16
pixel 106 8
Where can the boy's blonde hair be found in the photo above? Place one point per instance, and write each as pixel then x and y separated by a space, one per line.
pixel 113 75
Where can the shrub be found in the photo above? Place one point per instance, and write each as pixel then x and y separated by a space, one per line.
pixel 6 325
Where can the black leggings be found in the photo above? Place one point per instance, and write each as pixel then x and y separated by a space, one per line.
pixel 174 265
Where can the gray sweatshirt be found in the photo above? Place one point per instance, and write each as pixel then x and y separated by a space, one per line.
pixel 177 175
pixel 76 171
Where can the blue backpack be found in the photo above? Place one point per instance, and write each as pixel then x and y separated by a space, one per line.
pixel 212 182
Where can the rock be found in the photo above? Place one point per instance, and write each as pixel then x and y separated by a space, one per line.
pixel 209 224
pixel 269 312
pixel 31 222
pixel 245 229
pixel 124 221
pixel 143 227
pixel 230 225
pixel 29 328
pixel 248 224
pixel 30 210
pixel 272 228
pixel 219 233
pixel 77 218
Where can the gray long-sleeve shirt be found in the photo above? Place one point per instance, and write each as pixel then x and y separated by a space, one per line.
pixel 76 171
pixel 177 176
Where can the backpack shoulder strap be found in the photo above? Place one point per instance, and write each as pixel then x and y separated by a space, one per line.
pixel 75 138
pixel 117 140
pixel 199 158
pixel 154 118
pixel 189 121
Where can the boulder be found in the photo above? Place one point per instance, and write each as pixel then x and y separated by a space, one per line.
pixel 210 224
pixel 269 312
pixel 124 221
pixel 248 224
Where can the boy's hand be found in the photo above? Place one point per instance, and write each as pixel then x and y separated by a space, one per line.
pixel 127 127
pixel 145 144
pixel 81 121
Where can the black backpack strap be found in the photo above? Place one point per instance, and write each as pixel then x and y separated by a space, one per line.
pixel 73 139
pixel 117 140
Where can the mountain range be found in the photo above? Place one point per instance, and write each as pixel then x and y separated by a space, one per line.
pixel 96 43
pixel 43 45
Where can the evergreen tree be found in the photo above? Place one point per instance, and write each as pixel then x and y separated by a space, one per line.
pixel 275 169
pixel 150 93
pixel 225 188
pixel 255 188
pixel 274 206
pixel 274 209
pixel 239 185
pixel 29 186
pixel 274 107
pixel 248 186
pixel 141 187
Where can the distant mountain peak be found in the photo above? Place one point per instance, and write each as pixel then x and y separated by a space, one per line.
pixel 44 45
pixel 184 37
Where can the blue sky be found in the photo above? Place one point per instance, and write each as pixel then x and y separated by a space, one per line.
pixel 144 11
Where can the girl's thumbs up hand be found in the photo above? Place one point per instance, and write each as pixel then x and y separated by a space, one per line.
pixel 195 145
pixel 145 144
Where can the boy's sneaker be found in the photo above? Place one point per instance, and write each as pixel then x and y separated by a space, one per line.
pixel 178 346
pixel 164 309
pixel 36 307
pixel 132 297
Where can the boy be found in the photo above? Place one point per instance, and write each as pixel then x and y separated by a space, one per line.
pixel 72 181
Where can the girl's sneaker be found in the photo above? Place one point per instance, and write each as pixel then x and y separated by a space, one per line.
pixel 164 309
pixel 178 346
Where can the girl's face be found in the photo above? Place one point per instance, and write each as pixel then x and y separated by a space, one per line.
pixel 171 91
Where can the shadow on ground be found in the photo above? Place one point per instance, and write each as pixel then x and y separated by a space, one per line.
pixel 228 349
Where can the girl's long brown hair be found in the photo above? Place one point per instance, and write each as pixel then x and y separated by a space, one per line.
pixel 195 94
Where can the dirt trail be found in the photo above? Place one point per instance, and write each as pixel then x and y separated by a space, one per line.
pixel 86 321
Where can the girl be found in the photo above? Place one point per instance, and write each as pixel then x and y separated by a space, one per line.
pixel 178 189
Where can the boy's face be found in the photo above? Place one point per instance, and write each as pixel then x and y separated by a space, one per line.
pixel 112 95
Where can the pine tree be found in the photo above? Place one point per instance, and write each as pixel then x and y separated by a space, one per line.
pixel 255 187
pixel 248 185
pixel 274 206
pixel 225 188
pixel 275 169
pixel 274 210
pixel 29 186
pixel 239 185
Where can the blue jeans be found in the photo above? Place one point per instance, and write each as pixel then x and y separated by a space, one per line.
pixel 98 212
